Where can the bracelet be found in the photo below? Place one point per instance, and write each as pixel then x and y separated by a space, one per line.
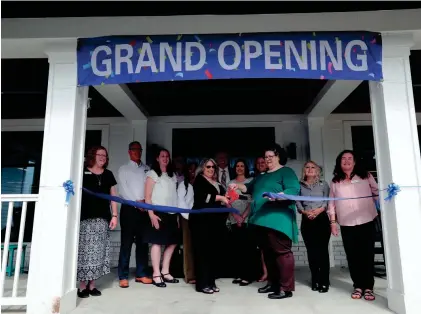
pixel 115 216
pixel 332 222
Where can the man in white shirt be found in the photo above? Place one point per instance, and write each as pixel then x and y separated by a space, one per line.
pixel 225 174
pixel 131 182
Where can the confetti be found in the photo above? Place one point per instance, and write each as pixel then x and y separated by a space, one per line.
pixel 180 74
pixel 336 39
pixel 132 43
pixel 86 66
pixel 112 74
pixel 309 46
pixel 208 74
pixel 197 38
pixel 281 43
pixel 149 39
pixel 280 61
pixel 242 47
pixel 179 37
pixel 314 34
pixel 90 53
pixel 355 49
pixel 165 57
pixel 139 50
pixel 212 50
pixel 102 84
pixel 240 34
pixel 329 67
pixel 107 76
pixel 379 62
pixel 292 69
pixel 371 74
pixel 373 41
pixel 322 77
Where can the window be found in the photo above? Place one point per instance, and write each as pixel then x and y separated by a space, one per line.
pixel 21 169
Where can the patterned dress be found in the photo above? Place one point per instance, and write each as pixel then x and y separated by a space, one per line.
pixel 94 237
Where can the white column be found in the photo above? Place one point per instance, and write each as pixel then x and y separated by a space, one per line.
pixel 140 130
pixel 315 139
pixel 52 271
pixel 398 161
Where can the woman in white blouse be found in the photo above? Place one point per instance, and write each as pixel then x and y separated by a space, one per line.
pixel 160 189
pixel 185 200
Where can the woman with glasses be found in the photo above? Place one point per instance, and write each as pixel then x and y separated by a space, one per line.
pixel 275 221
pixel 206 228
pixel 95 222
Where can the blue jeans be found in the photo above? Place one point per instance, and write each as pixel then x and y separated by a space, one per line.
pixel 133 223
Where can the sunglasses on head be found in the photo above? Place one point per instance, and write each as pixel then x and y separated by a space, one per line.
pixel 208 167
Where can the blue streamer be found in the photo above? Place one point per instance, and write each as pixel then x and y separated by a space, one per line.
pixel 163 209
pixel 392 190
pixel 68 187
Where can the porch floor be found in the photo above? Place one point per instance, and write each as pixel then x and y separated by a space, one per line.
pixel 182 299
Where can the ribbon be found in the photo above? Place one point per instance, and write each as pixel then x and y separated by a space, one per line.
pixel 392 190
pixel 68 187
pixel 159 208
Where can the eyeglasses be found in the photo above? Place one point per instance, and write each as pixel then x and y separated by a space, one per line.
pixel 208 167
pixel 269 157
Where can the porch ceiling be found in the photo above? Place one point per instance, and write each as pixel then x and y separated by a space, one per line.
pixel 24 96
pixel 227 97
pixel 14 9
pixel 359 100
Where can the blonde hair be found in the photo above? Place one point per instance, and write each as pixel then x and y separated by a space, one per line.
pixel 202 165
pixel 318 170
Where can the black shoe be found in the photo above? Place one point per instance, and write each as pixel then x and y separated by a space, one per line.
pixel 266 289
pixel 169 280
pixel 83 293
pixel 160 284
pixel 95 292
pixel 207 291
pixel 244 283
pixel 215 288
pixel 280 295
pixel 315 286
pixel 236 281
pixel 323 289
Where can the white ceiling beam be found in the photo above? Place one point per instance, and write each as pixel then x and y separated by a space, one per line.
pixel 379 21
pixel 121 97
pixel 330 97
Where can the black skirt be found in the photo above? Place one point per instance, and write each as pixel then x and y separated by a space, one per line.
pixel 168 232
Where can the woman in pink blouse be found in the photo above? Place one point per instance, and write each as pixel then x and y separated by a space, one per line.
pixel 356 218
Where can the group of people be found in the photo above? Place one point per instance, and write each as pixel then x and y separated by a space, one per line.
pixel 263 225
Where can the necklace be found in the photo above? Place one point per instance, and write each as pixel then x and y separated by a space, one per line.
pixel 98 177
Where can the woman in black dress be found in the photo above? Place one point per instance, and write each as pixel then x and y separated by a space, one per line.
pixel 206 228
pixel 95 222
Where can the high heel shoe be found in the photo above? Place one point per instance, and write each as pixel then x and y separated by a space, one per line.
pixel 315 286
pixel 173 280
pixel 207 291
pixel 158 284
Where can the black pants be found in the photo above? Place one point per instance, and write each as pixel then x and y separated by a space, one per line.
pixel 244 253
pixel 359 248
pixel 133 223
pixel 316 236
pixel 205 233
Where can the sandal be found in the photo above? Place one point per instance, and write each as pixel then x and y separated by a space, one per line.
pixel 357 294
pixel 172 280
pixel 369 295
pixel 160 284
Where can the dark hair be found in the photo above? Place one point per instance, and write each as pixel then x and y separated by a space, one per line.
pixel 186 176
pixel 278 151
pixel 246 167
pixel 134 143
pixel 155 164
pixel 339 175
pixel 90 158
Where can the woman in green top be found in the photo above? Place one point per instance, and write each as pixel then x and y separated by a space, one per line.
pixel 275 221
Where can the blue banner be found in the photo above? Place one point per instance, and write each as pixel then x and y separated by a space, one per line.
pixel 324 55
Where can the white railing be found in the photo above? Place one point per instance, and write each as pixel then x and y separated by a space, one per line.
pixel 14 299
